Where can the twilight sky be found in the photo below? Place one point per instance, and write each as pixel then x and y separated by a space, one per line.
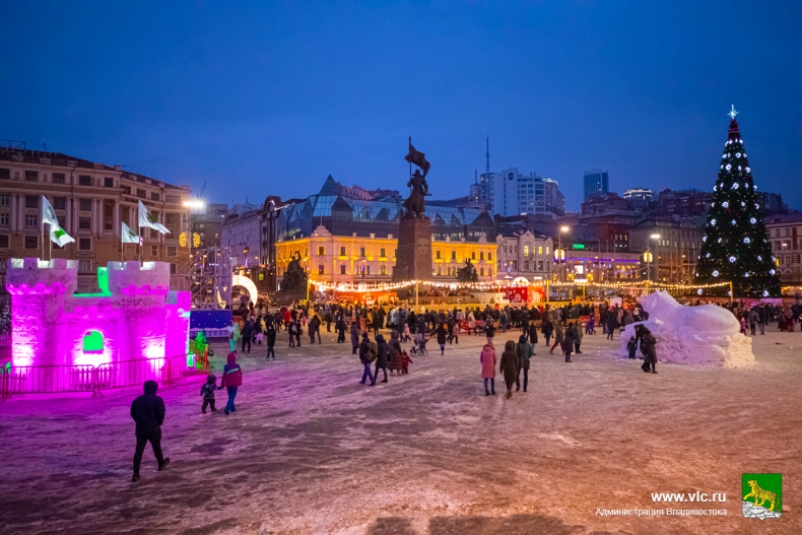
pixel 268 98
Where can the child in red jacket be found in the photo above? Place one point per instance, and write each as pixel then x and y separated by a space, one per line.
pixel 232 379
pixel 405 362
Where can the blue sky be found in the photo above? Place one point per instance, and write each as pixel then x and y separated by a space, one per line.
pixel 268 98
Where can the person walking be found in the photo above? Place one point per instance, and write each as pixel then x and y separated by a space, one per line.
pixel 354 337
pixel 442 335
pixel 647 345
pixel 533 334
pixel 207 392
pixel 578 340
pixel 762 318
pixel 247 336
pixel 753 319
pixel 396 354
pixel 488 360
pixel 547 328
pixel 382 357
pixel 232 380
pixel 271 341
pixel 366 357
pixel 569 341
pixel 611 321
pixel 147 411
pixel 339 326
pixel 525 353
pixel 471 324
pixel 233 336
pixel 558 336
pixel 509 366
pixel 490 330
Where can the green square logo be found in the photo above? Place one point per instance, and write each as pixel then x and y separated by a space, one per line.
pixel 762 495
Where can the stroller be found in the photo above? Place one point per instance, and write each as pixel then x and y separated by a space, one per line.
pixel 419 347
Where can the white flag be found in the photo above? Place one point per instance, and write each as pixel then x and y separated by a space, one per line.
pixel 129 236
pixel 57 234
pixel 147 220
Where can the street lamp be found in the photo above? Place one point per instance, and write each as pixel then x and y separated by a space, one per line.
pixel 649 257
pixel 559 254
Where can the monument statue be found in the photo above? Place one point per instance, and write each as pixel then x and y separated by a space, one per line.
pixel 295 278
pixel 417 181
pixel 467 273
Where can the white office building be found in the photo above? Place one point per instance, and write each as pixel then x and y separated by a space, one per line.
pixel 513 193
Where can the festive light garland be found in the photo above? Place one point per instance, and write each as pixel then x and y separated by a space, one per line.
pixel 498 285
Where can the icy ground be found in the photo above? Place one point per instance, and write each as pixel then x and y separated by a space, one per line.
pixel 311 451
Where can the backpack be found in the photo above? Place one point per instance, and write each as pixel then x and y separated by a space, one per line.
pixel 373 351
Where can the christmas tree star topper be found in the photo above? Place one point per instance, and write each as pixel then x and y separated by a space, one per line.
pixel 733 112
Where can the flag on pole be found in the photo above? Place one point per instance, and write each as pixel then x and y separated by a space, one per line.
pixel 418 158
pixel 129 236
pixel 146 219
pixel 57 234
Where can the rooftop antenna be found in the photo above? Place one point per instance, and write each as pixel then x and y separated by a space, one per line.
pixel 44 146
pixel 487 155
pixel 475 176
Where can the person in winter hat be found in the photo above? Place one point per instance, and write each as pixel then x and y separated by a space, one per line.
pixel 148 412
pixel 509 366
pixel 207 391
pixel 232 380
pixel 488 360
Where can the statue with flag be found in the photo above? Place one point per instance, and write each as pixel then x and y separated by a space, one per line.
pixel 57 234
pixel 420 188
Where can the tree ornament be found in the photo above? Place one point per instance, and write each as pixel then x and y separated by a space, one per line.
pixel 747 240
pixel 728 167
pixel 715 273
pixel 732 259
pixel 735 185
pixel 699 291
pixel 725 204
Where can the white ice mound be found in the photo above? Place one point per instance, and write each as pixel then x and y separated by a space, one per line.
pixel 702 335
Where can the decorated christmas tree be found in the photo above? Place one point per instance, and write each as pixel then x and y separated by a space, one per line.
pixel 735 247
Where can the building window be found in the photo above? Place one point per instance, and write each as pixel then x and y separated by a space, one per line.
pixel 5 174
pixel 84 180
pixel 31 220
pixel 383 255
pixel 31 201
pixel 547 250
pixel 482 272
pixel 5 199
pixel 4 219
pixel 155 196
pixel 342 252
pixel 367 270
pixel 141 194
pixel 60 203
pixel 85 244
pixel 540 250
pixel 31 176
pixel 172 199
pixel 481 255
pixel 526 250
pixel 4 241
pixel 361 251
pixel 342 269
pixel 31 242
pixel 61 221
pixel 453 255
pixel 437 255
pixel 85 266
pixel 321 251
pixel 473 255
pixel 108 182
pixel 526 265
pixel 540 265
pixel 154 250
pixel 127 190
pixel 169 219
pixel 85 223
pixel 321 269
pixel 383 269
pixel 58 178
pixel 173 269
pixel 85 205
pixel 171 252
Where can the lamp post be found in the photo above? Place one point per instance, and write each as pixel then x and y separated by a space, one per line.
pixel 198 205
pixel 648 257
pixel 561 252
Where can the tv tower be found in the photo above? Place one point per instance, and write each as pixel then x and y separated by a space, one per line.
pixel 487 155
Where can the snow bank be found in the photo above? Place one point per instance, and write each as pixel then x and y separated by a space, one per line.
pixel 704 335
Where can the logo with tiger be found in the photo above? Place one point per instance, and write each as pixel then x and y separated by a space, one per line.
pixel 762 495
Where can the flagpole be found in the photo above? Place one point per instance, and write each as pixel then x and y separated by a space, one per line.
pixel 409 151
pixel 139 240
pixel 42 215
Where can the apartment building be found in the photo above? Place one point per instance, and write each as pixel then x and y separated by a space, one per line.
pixel 91 201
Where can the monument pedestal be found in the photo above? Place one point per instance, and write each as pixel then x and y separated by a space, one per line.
pixel 414 256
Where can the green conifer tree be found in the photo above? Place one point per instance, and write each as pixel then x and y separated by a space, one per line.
pixel 735 246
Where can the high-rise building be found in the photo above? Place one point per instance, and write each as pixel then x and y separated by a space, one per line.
pixel 595 183
pixel 555 200
pixel 514 193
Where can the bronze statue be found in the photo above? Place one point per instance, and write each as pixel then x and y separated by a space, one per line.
pixel 295 278
pixel 420 188
pixel 468 273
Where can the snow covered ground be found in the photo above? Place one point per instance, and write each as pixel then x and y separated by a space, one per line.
pixel 310 450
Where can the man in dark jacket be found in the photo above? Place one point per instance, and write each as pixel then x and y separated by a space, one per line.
pixel 365 358
pixel 148 412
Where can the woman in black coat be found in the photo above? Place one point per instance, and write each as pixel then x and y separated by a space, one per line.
pixel 381 359
pixel 442 334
